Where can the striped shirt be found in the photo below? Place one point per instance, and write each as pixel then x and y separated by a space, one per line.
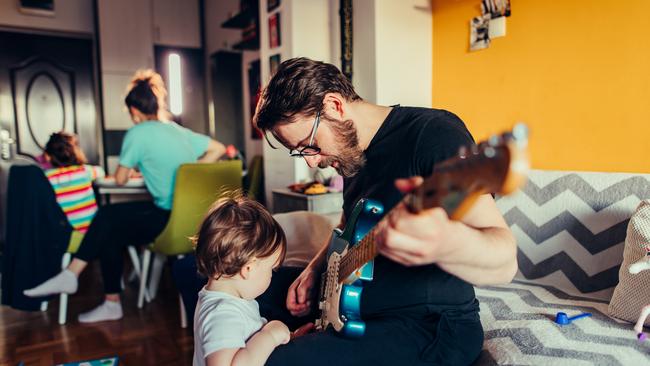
pixel 74 192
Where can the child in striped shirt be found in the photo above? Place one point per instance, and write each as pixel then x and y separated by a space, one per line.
pixel 72 179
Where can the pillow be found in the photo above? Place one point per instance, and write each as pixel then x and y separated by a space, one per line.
pixel 306 233
pixel 633 291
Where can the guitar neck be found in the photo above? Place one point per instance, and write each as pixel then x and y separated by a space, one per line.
pixel 363 251
pixel 358 255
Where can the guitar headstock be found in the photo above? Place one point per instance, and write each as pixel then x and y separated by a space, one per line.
pixel 497 165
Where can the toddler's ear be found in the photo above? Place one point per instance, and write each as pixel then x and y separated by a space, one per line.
pixel 249 267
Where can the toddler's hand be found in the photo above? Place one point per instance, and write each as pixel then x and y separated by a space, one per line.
pixel 278 331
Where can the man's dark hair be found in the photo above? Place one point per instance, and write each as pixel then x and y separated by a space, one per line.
pixel 299 87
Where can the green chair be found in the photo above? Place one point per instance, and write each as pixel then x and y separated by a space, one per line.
pixel 254 182
pixel 197 187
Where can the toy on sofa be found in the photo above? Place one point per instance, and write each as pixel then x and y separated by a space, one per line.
pixel 635 268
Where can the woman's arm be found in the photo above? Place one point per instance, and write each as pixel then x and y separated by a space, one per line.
pixel 122 175
pixel 214 151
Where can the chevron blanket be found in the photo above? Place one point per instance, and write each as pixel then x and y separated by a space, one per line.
pixel 518 320
pixel 570 228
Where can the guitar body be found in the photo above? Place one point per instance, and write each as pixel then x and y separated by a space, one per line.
pixel 340 303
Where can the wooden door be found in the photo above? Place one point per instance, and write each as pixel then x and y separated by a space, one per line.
pixel 46 85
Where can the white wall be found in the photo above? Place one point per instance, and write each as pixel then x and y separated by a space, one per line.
pixel 126 41
pixel 218 38
pixel 393 51
pixel 176 23
pixel 364 74
pixel 70 16
pixel 403 52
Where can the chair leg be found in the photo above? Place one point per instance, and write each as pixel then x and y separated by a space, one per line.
pixel 183 313
pixel 135 260
pixel 63 298
pixel 156 273
pixel 146 258
pixel 44 306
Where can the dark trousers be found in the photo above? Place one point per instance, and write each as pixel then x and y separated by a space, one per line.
pixel 418 336
pixel 114 227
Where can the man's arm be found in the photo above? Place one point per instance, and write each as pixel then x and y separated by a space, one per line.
pixel 214 151
pixel 479 248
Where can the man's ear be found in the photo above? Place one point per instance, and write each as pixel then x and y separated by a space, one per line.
pixel 334 105
pixel 249 267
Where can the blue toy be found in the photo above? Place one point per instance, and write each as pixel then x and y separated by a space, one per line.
pixel 563 319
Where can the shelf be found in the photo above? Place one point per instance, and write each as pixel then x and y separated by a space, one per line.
pixel 249 44
pixel 241 20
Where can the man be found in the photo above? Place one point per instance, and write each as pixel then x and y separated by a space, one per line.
pixel 420 308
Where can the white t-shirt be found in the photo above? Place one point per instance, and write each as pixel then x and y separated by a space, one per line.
pixel 223 321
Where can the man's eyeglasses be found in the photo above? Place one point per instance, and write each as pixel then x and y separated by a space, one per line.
pixel 309 149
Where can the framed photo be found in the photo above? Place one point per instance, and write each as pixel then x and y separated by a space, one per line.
pixel 479 33
pixel 36 7
pixel 274 30
pixel 272 4
pixel 274 63
pixel 254 89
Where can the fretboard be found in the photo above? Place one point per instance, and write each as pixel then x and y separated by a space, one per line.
pixel 358 255
pixel 365 249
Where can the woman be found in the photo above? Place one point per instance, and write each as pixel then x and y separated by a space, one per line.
pixel 156 148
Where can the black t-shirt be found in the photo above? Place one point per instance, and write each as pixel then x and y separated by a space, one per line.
pixel 409 142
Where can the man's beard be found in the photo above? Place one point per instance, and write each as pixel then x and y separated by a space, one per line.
pixel 350 158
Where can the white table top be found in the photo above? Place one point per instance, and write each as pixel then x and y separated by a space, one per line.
pixel 108 186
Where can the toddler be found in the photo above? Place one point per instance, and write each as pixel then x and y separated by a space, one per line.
pixel 237 247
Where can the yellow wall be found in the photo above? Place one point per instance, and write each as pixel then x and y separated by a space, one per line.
pixel 576 71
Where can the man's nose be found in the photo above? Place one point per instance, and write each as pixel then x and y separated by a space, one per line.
pixel 312 161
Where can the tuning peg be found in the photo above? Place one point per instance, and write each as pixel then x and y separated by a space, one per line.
pixel 462 152
pixel 494 140
pixel 520 134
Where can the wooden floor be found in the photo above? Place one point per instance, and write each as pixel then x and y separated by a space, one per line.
pixel 148 336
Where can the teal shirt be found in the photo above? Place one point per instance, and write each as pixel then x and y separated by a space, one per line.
pixel 157 149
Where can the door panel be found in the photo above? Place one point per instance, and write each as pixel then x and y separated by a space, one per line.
pixel 46 85
pixel 43 95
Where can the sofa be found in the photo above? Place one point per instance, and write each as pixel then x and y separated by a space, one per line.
pixel 570 229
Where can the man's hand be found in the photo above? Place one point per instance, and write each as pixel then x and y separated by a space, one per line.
pixel 415 239
pixel 278 330
pixel 301 292
pixel 479 248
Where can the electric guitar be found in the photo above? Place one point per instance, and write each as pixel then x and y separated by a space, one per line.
pixel 498 165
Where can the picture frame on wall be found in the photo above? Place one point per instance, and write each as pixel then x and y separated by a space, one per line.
pixel 274 63
pixel 254 89
pixel 272 4
pixel 274 30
